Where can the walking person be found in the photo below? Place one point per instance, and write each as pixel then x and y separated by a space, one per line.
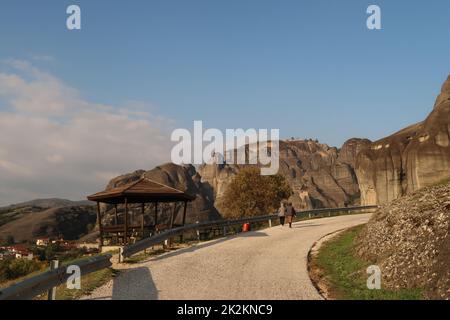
pixel 282 213
pixel 290 214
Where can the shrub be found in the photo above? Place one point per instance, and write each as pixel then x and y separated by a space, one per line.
pixel 11 269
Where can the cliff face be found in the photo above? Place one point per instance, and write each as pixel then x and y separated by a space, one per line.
pixel 320 176
pixel 415 157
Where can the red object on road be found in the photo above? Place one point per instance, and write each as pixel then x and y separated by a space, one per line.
pixel 246 227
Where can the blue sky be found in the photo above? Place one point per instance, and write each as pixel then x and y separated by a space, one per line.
pixel 310 68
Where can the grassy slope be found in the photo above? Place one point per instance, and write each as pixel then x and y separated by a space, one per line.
pixel 88 284
pixel 345 274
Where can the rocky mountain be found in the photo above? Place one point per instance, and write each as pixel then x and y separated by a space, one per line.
pixel 409 239
pixel 320 175
pixel 415 157
pixel 184 178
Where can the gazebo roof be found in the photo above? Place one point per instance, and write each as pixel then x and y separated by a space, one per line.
pixel 141 191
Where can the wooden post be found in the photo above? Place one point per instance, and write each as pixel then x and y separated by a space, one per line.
pixel 142 220
pixel 184 219
pixel 156 215
pixel 100 227
pixel 172 219
pixel 125 234
pixel 121 258
pixel 54 264
pixel 116 220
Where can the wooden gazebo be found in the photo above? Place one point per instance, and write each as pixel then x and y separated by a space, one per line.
pixel 141 192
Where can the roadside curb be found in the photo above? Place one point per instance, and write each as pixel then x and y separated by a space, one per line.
pixel 315 246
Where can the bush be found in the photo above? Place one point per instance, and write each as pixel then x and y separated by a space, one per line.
pixel 11 269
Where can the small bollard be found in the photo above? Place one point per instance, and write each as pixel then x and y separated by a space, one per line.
pixel 270 223
pixel 54 264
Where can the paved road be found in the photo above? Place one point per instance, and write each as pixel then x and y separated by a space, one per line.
pixel 266 264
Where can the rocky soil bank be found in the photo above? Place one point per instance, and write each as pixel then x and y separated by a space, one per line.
pixel 409 239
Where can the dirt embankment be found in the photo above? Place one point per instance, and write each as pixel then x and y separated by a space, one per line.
pixel 409 239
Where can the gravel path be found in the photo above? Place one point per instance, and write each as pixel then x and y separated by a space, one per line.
pixel 265 264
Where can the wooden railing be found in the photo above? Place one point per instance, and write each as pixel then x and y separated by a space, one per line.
pixel 34 286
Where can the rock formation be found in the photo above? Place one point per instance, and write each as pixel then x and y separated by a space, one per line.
pixel 415 157
pixel 320 176
pixel 184 178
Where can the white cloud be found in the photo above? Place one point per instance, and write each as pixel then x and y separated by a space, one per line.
pixel 54 143
pixel 42 58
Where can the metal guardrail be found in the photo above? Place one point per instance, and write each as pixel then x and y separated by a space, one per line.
pixel 34 286
pixel 161 237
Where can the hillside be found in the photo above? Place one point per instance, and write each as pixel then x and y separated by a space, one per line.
pixel 409 239
pixel 46 204
pixel 46 218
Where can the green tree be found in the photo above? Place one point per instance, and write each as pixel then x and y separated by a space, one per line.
pixel 251 194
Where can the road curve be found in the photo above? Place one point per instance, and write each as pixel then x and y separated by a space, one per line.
pixel 265 264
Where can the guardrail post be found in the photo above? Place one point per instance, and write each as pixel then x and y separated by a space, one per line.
pixel 270 223
pixel 54 264
pixel 121 258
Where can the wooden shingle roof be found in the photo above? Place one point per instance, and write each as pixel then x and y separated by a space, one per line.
pixel 140 191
